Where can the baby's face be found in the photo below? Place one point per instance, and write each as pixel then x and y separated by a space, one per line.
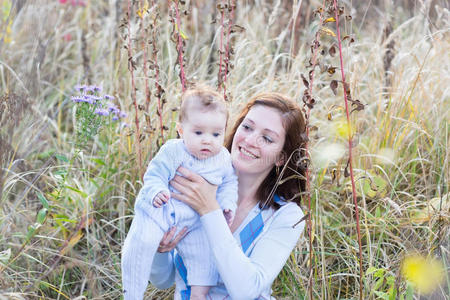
pixel 203 133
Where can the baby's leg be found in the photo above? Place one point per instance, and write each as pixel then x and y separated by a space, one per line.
pixel 198 259
pixel 199 292
pixel 138 250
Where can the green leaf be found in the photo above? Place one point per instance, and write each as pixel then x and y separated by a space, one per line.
pixel 378 283
pixel 375 186
pixel 32 230
pixel 83 194
pixel 41 216
pixel 392 293
pixel 61 172
pixel 46 154
pixel 43 200
pixel 379 273
pixel 382 295
pixel 377 212
pixel 370 270
pixel 63 218
pixel 62 158
pixel 99 161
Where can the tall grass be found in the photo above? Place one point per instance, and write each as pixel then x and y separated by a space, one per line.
pixel 72 248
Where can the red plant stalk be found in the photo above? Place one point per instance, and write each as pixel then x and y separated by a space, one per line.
pixel 220 75
pixel 180 48
pixel 157 84
pixel 227 49
pixel 344 85
pixel 133 93
pixel 308 180
pixel 144 55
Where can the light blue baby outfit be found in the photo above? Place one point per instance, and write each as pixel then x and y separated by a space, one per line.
pixel 150 223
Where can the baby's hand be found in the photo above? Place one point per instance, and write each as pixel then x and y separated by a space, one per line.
pixel 228 213
pixel 160 199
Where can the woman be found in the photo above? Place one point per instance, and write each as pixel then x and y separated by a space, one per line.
pixel 266 142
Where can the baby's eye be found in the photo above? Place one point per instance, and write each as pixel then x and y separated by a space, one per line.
pixel 216 134
pixel 198 132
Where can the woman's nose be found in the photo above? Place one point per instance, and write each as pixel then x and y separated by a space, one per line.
pixel 252 139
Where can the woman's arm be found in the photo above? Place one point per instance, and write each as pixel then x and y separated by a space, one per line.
pixel 244 277
pixel 270 253
pixel 162 274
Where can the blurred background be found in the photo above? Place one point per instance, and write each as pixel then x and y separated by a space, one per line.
pixel 89 91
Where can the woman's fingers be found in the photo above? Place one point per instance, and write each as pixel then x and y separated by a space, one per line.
pixel 181 180
pixel 168 242
pixel 183 187
pixel 179 236
pixel 189 174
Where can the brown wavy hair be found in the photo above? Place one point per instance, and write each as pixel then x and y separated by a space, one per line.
pixel 290 183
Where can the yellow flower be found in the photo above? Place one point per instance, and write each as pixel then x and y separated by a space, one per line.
pixel 425 274
pixel 143 10
pixel 342 128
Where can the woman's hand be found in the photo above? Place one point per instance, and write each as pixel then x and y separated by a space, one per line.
pixel 168 242
pixel 195 191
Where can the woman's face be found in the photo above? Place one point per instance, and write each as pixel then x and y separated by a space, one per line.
pixel 258 141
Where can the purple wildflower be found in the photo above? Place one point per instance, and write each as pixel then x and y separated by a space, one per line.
pixel 96 98
pixel 122 114
pixel 115 118
pixel 97 88
pixel 108 97
pixel 101 112
pixel 112 108
pixel 87 99
pixel 76 99
pixel 89 88
pixel 123 125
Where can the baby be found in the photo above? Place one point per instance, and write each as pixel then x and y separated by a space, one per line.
pixel 202 122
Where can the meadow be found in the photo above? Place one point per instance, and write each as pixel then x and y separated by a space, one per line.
pixel 70 169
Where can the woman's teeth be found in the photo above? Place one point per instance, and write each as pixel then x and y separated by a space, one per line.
pixel 246 153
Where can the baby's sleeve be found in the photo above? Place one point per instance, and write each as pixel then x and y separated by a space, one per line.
pixel 227 192
pixel 160 171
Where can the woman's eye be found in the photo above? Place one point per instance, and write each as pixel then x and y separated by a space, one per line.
pixel 216 134
pixel 267 139
pixel 198 132
pixel 246 127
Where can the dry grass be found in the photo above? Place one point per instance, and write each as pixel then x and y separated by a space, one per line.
pixel 401 159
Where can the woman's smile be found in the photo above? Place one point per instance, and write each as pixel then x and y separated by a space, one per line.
pixel 247 153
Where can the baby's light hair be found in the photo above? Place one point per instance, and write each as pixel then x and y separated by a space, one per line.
pixel 202 99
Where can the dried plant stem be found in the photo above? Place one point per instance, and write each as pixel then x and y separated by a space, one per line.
pixel 352 178
pixel 144 56
pixel 220 81
pixel 227 47
pixel 180 46
pixel 156 67
pixel 133 91
pixel 308 179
